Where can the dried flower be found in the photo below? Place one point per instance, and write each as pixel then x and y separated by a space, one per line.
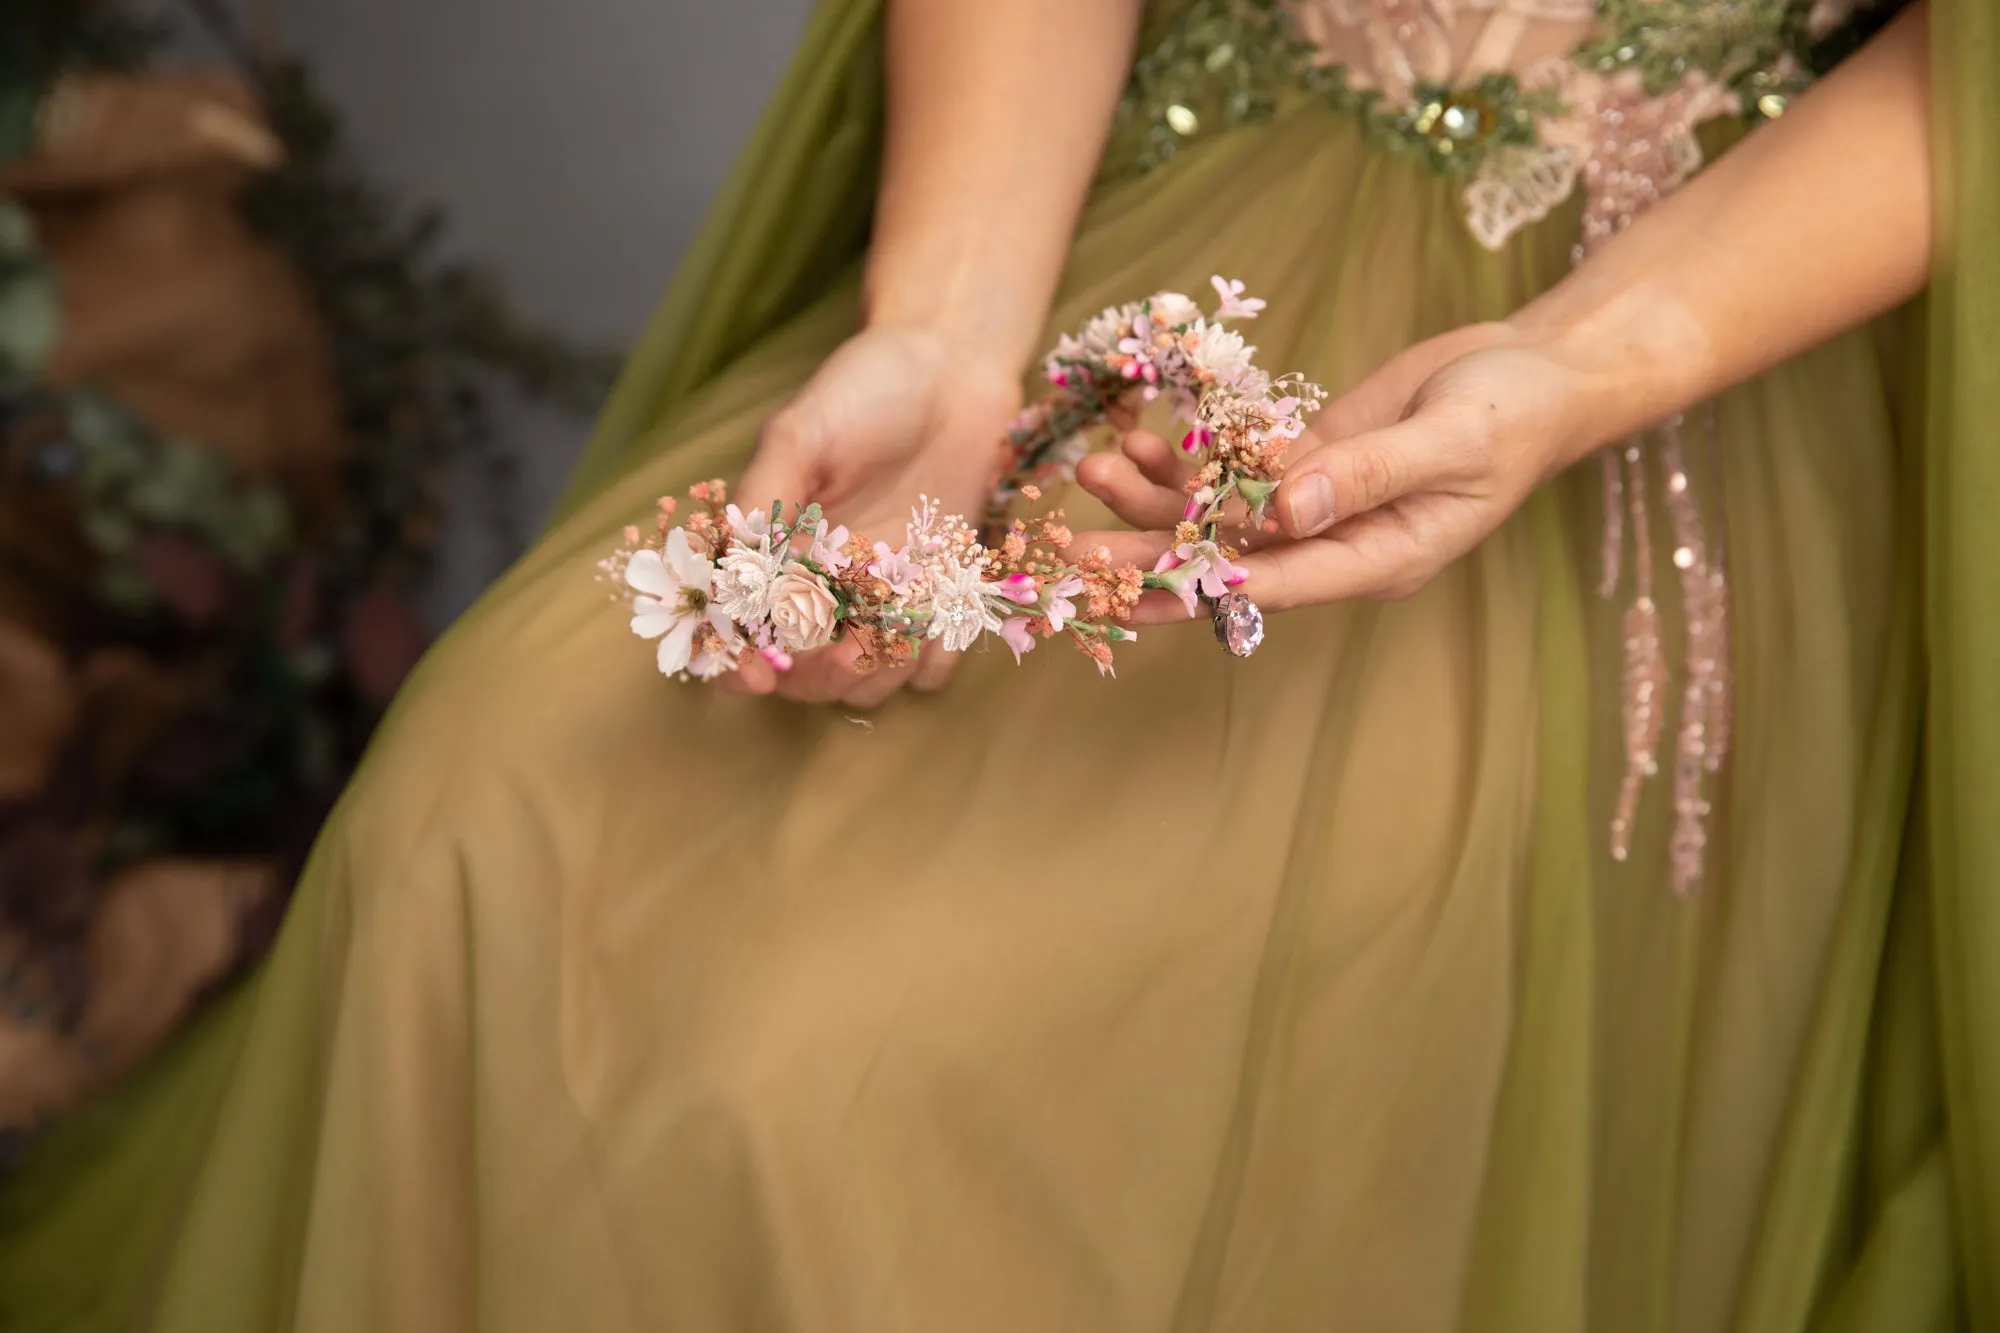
pixel 745 577
pixel 804 610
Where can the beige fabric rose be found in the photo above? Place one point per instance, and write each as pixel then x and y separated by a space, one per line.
pixel 802 609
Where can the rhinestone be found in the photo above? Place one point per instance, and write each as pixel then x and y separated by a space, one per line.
pixel 1683 557
pixel 1677 483
pixel 1181 120
pixel 1459 122
pixel 1771 105
pixel 1239 625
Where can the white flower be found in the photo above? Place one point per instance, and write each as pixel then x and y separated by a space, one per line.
pixel 1100 336
pixel 1222 353
pixel 960 611
pixel 803 609
pixel 755 524
pixel 672 598
pixel 744 578
pixel 1235 305
pixel 1171 310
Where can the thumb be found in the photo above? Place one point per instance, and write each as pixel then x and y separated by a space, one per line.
pixel 783 468
pixel 1342 478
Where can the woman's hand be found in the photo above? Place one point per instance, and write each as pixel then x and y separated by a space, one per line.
pixel 1397 478
pixel 893 414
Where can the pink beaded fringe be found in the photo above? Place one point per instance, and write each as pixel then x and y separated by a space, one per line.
pixel 1701 740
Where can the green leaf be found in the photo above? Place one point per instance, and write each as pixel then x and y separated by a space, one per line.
pixel 30 322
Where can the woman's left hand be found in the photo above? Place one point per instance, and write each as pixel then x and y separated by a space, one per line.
pixel 1396 479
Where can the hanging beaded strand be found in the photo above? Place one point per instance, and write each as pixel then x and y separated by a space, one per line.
pixel 1703 735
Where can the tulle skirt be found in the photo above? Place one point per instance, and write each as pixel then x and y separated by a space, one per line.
pixel 1296 993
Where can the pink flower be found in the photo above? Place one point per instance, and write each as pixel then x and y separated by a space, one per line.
pixel 804 610
pixel 1061 608
pixel 1198 504
pixel 895 568
pixel 1196 440
pixel 1020 589
pixel 1235 305
pixel 826 547
pixel 1196 569
pixel 1014 632
pixel 779 659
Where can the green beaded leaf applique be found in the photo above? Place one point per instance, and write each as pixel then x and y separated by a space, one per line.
pixel 1216 65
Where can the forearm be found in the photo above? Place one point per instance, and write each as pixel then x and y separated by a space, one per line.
pixel 1811 226
pixel 998 111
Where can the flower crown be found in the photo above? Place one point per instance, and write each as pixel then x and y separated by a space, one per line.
pixel 727 583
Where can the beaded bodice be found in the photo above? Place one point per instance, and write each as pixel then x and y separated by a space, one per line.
pixel 1526 101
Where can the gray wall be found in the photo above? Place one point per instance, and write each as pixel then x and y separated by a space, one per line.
pixel 575 145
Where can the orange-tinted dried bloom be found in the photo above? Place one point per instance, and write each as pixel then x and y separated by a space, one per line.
pixel 1032 492
pixel 1185 533
pixel 668 505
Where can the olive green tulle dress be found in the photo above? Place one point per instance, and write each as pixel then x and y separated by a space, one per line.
pixel 1330 1012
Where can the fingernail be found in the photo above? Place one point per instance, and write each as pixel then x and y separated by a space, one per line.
pixel 1311 505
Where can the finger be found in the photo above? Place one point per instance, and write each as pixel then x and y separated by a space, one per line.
pixel 1342 478
pixel 752 676
pixel 1159 461
pixel 1121 487
pixel 822 675
pixel 779 470
pixel 1123 415
pixel 1143 549
pixel 934 668
pixel 873 690
pixel 1374 555
pixel 1158 607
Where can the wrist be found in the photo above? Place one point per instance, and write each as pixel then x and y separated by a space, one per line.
pixel 1632 356
pixel 968 306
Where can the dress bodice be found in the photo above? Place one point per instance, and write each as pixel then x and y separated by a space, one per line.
pixel 1525 100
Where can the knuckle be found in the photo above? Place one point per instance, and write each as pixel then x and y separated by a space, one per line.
pixel 1372 474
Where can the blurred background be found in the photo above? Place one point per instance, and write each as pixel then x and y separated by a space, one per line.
pixel 305 306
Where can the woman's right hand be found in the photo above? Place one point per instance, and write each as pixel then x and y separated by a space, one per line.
pixel 894 413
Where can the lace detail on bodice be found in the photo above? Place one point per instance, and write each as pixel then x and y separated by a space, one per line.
pixel 1524 100
pixel 1616 101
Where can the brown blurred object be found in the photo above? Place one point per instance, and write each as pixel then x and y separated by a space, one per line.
pixel 171 303
pixel 177 309
pixel 161 934
pixel 37 709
